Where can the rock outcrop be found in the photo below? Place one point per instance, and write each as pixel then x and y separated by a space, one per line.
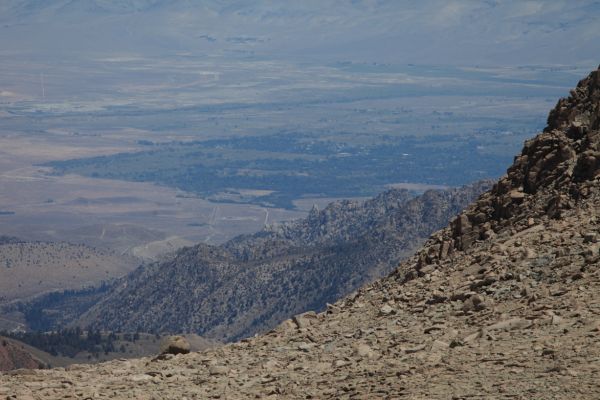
pixel 555 170
pixel 503 303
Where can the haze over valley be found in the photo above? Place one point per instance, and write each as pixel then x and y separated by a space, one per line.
pixel 282 112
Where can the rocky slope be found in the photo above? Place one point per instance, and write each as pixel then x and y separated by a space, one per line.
pixel 504 303
pixel 253 282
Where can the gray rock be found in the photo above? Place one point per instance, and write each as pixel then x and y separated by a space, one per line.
pixel 590 237
pixel 305 320
pixel 474 303
pixel 364 351
pixel 510 324
pixel 386 310
pixel 218 370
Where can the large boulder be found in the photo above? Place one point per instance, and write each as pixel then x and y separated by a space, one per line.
pixel 175 345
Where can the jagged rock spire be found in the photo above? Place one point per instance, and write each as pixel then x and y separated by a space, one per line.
pixel 557 168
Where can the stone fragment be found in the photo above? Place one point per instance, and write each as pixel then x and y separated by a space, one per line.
pixel 364 350
pixel 439 345
pixel 218 370
pixel 271 365
pixel 474 303
pixel 510 324
pixel 305 320
pixel 470 338
pixel 306 347
pixel 386 310
pixel 416 349
pixel 590 237
pixel 140 378
pixel 267 379
pixel 444 249
pixel 517 196
pixel 488 280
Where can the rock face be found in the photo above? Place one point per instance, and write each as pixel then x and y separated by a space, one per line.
pixel 504 303
pixel 254 282
pixel 555 170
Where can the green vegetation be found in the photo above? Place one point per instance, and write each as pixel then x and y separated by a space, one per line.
pixel 42 313
pixel 70 342
pixel 297 165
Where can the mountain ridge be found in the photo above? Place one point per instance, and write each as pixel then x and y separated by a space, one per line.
pixel 253 282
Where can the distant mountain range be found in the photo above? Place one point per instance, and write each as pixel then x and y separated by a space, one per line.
pixel 253 282
pixel 438 32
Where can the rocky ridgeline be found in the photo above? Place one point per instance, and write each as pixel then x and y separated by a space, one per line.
pixel 554 172
pixel 254 282
pixel 394 212
pixel 512 311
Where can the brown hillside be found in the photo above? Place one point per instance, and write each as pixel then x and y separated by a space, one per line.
pixel 12 356
pixel 31 268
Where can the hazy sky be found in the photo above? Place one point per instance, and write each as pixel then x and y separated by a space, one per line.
pixel 392 31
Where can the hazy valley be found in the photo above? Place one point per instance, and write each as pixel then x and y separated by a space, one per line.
pixel 235 120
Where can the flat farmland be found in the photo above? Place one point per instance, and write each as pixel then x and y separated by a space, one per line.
pixel 141 219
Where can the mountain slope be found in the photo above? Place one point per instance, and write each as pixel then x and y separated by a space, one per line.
pixel 32 268
pixel 253 282
pixel 504 303
pixel 13 356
